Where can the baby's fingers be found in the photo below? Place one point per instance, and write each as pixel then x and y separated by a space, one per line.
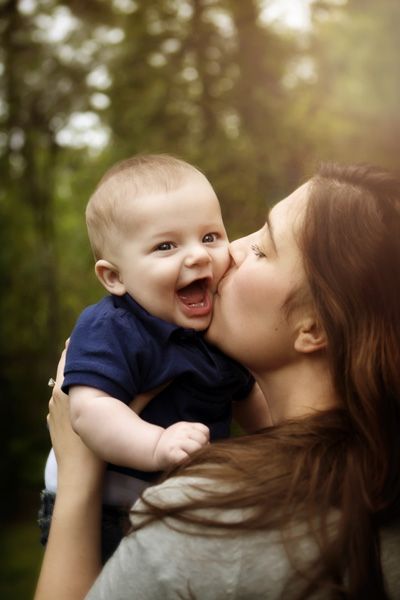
pixel 198 433
pixel 200 427
pixel 185 449
pixel 191 445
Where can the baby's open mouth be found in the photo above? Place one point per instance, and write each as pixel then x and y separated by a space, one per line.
pixel 195 294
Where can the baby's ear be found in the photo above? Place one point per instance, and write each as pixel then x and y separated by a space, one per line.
pixel 310 336
pixel 109 277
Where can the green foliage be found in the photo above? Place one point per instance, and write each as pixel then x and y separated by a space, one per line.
pixel 21 560
pixel 356 92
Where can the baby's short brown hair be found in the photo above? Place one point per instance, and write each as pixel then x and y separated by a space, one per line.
pixel 128 179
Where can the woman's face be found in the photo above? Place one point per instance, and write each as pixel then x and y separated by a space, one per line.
pixel 249 322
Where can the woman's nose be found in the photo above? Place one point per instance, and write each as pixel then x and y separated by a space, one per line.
pixel 238 249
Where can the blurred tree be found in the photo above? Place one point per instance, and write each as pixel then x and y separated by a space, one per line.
pixel 261 101
pixel 356 87
pixel 39 91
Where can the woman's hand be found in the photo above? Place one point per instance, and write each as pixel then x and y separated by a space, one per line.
pixel 77 465
pixel 72 558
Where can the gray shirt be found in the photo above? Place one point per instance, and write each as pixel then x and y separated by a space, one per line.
pixel 160 563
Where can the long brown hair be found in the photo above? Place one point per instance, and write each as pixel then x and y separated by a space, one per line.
pixel 346 458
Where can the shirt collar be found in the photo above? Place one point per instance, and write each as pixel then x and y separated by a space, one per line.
pixel 162 329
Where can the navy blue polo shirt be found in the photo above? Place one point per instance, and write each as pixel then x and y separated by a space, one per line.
pixel 121 349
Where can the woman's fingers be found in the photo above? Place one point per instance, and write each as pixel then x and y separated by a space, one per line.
pixel 56 389
pixel 60 367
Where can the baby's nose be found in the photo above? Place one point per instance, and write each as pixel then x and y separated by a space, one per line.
pixel 197 254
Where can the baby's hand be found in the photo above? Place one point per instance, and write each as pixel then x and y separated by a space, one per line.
pixel 178 441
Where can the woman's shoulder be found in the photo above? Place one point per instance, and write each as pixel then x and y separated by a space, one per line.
pixel 188 557
pixel 186 490
pixel 175 490
pixel 170 559
pixel 179 559
pixel 262 554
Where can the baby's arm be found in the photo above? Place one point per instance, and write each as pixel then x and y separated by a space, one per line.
pixel 252 413
pixel 118 435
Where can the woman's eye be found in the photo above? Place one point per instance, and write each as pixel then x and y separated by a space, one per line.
pixel 165 246
pixel 209 238
pixel 257 251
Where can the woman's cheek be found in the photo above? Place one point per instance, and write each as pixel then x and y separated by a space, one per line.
pixel 247 290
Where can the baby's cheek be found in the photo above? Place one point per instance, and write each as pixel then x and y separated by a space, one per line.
pixel 222 263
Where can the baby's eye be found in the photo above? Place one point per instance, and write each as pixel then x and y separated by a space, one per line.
pixel 164 246
pixel 257 251
pixel 209 238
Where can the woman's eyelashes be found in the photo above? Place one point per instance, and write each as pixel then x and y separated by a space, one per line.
pixel 257 251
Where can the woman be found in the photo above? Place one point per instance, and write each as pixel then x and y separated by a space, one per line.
pixel 310 507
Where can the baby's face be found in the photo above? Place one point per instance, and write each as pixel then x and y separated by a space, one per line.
pixel 177 253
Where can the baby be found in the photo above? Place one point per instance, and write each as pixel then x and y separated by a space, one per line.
pixel 160 245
